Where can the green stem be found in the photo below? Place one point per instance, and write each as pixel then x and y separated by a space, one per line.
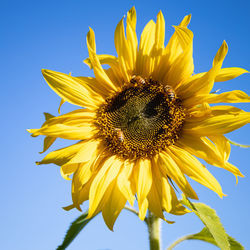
pixel 171 247
pixel 131 210
pixel 154 230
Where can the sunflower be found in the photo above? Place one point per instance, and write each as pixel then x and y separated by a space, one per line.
pixel 143 123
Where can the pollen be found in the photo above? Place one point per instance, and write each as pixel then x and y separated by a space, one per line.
pixel 142 119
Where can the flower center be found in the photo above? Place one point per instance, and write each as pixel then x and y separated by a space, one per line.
pixel 142 119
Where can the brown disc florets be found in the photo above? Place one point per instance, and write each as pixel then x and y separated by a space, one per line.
pixel 142 119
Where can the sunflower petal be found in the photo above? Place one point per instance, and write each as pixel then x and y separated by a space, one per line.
pixel 113 206
pixel 68 88
pixel 226 74
pixel 223 119
pixel 183 67
pixel 170 202
pixel 174 48
pixel 144 61
pixel 223 146
pixel 204 84
pixel 159 32
pixel 155 193
pixel 132 38
pixel 191 167
pixel 61 156
pixel 205 149
pixel 144 182
pixel 124 183
pixel 99 72
pixel 104 177
pixel 48 141
pixel 170 169
pixel 64 131
pixel 85 153
pixel 103 59
pixel 235 96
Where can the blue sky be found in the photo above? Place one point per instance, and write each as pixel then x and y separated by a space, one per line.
pixel 51 34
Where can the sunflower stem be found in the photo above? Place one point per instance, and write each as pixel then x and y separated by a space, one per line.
pixel 154 230
pixel 174 244
pixel 131 210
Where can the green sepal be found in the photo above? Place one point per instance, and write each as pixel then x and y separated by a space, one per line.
pixel 74 229
pixel 238 144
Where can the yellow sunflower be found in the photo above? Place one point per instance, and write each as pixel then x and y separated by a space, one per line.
pixel 143 122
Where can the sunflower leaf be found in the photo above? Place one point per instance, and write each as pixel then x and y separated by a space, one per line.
pixel 74 229
pixel 212 222
pixel 205 235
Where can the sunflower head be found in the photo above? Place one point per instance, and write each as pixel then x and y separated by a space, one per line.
pixel 140 120
pixel 143 123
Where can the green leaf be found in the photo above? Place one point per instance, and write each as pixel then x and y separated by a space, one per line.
pixel 205 235
pixel 210 219
pixel 74 229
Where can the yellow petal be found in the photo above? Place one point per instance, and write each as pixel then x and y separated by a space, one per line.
pixel 174 48
pixel 223 119
pixel 172 51
pixel 132 38
pixel 207 150
pixel 183 66
pixel 200 147
pixel 82 174
pixel 114 203
pixel 80 194
pixel 98 70
pixel 61 156
pixel 159 32
pixel 64 131
pixel 144 60
pixel 85 153
pixel 170 202
pixel 223 146
pixel 158 48
pixel 127 48
pixel 67 170
pixel 144 181
pixel 68 88
pixel 60 105
pixel 229 73
pixel 186 20
pixel 169 199
pixel 104 177
pixel 191 167
pixel 155 194
pixel 75 125
pixel 234 170
pixel 124 183
pixel 48 141
pixel 170 169
pixel 94 85
pixel 235 96
pixel 204 84
pixel 103 59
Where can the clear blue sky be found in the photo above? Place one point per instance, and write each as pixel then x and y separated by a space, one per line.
pixel 51 34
